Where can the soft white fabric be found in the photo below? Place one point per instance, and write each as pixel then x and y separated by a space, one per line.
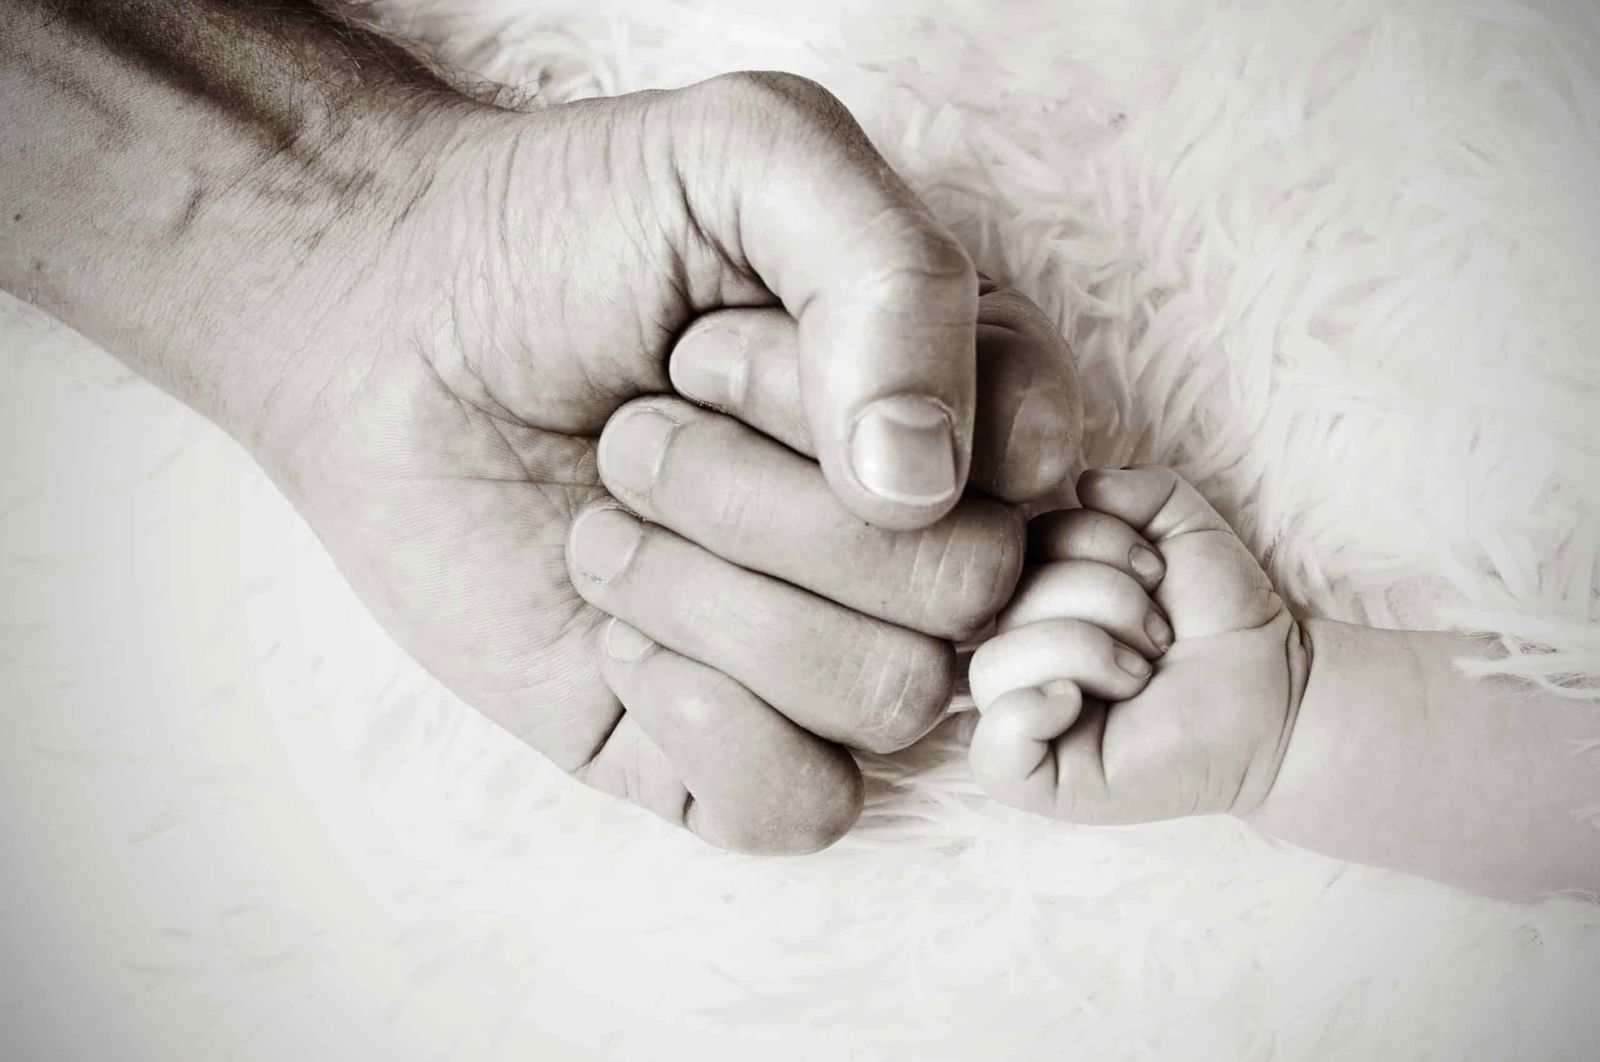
pixel 1337 261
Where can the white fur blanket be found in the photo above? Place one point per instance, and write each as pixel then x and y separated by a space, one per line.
pixel 1339 261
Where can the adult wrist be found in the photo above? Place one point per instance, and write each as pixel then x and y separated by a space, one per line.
pixel 200 236
pixel 312 254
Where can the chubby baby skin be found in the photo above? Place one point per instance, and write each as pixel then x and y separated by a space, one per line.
pixel 1144 668
pixel 1077 722
pixel 1147 669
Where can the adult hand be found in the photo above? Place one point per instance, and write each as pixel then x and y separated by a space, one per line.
pixel 417 309
pixel 749 600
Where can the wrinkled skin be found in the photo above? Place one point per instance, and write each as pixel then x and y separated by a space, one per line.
pixel 536 272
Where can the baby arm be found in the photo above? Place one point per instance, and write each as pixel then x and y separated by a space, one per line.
pixel 1146 669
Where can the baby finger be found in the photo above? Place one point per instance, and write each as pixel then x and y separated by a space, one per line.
pixel 1054 650
pixel 1013 747
pixel 1096 593
pixel 1085 534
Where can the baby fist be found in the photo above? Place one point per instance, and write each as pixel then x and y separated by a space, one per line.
pixel 1145 669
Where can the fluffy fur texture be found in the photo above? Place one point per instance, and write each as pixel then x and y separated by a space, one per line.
pixel 1337 262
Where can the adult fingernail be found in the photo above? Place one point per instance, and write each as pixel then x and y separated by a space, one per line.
pixel 603 542
pixel 1159 631
pixel 1131 662
pixel 633 447
pixel 903 450
pixel 710 366
pixel 1147 563
pixel 624 643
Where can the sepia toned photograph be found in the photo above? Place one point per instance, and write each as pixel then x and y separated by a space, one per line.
pixel 863 530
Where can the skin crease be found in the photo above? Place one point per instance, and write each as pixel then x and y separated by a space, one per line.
pixel 418 311
pixel 1363 744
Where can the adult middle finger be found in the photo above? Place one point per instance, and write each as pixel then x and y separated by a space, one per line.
pixel 763 507
pixel 839 674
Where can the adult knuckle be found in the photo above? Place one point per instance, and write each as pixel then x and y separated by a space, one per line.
pixel 820 800
pixel 700 709
pixel 781 89
pixel 776 101
pixel 733 482
pixel 913 677
pixel 981 551
pixel 913 254
pixel 816 816
pixel 748 835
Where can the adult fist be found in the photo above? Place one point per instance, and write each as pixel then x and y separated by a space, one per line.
pixel 418 310
pixel 756 616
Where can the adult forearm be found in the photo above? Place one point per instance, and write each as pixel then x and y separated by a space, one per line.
pixel 1397 760
pixel 170 167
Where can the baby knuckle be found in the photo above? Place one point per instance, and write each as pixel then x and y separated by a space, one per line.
pixel 990 771
pixel 1120 592
pixel 993 671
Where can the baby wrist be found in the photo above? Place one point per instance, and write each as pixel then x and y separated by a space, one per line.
pixel 1299 660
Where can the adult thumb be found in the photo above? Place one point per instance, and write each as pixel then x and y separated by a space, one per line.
pixel 885 297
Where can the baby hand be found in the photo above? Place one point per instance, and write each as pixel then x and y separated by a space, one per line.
pixel 1145 669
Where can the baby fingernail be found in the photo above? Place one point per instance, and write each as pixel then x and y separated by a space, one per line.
pixel 603 542
pixel 633 448
pixel 903 450
pixel 710 366
pixel 624 643
pixel 1159 631
pixel 1131 662
pixel 1057 688
pixel 1146 563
